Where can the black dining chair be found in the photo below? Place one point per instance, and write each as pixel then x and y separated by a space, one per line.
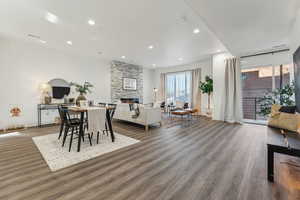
pixel 62 119
pixel 72 125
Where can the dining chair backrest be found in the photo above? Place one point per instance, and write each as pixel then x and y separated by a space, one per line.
pixel 186 106
pixel 102 104
pixel 112 111
pixel 64 114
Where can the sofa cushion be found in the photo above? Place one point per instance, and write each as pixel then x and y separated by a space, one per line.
pixel 283 120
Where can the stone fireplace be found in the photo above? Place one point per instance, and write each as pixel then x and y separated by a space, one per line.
pixel 120 70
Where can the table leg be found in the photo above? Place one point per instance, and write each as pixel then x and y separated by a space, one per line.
pixel 39 116
pixel 80 130
pixel 270 164
pixel 109 125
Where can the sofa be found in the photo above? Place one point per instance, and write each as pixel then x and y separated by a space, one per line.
pixel 147 115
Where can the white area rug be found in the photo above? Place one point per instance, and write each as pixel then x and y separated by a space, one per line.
pixel 58 157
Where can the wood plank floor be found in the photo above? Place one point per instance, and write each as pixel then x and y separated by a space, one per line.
pixel 201 159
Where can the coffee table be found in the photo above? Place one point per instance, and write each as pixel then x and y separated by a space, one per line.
pixel 181 113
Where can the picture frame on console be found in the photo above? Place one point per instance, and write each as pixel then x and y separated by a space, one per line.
pixel 129 84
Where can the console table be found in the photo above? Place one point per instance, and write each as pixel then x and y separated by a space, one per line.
pixel 41 107
pixel 281 142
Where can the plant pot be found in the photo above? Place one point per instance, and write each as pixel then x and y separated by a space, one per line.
pixel 81 97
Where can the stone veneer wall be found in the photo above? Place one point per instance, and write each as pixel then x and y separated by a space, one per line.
pixel 120 70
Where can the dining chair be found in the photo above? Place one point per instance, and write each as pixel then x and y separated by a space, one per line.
pixel 74 118
pixel 70 124
pixel 102 104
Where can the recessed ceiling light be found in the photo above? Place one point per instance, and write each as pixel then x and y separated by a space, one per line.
pixel 123 57
pixel 196 31
pixel 218 50
pixel 43 41
pixel 151 47
pixel 180 59
pixel 91 22
pixel 154 65
pixel 51 18
pixel 69 42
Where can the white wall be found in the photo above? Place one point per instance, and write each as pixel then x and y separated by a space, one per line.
pixel 148 86
pixel 206 70
pixel 219 87
pixel 25 65
pixel 294 40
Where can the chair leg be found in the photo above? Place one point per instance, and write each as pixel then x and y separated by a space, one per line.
pixel 82 135
pixel 61 130
pixel 98 137
pixel 106 129
pixel 71 140
pixel 90 139
pixel 65 135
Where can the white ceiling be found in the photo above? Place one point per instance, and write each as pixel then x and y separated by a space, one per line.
pixel 248 25
pixel 123 27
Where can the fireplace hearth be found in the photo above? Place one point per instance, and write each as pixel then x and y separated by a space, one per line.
pixel 130 100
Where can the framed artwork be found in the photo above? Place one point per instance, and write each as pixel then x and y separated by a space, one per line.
pixel 129 83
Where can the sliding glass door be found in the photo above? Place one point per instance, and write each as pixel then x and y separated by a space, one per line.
pixel 259 81
pixel 178 87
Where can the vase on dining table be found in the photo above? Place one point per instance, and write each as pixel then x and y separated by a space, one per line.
pixel 81 97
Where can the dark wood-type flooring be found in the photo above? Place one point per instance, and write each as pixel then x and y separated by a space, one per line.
pixel 201 159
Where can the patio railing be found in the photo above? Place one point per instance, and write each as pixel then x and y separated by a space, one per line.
pixel 251 108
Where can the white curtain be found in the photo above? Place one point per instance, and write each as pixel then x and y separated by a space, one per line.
pixel 233 95
pixel 196 97
pixel 162 95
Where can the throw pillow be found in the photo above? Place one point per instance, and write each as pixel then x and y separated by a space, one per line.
pixel 288 109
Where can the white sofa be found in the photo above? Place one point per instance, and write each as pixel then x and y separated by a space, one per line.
pixel 148 115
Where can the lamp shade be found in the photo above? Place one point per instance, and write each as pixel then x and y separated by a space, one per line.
pixel 45 87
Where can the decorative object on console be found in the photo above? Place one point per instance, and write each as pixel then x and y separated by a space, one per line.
pixel 207 88
pixel 129 84
pixel 45 90
pixel 83 90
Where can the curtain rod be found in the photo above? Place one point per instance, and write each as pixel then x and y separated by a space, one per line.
pixel 265 53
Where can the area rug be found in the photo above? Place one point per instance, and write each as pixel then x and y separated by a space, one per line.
pixel 58 157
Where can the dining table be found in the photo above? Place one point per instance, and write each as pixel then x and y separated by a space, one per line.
pixel 82 111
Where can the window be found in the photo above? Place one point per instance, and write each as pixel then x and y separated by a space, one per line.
pixel 178 87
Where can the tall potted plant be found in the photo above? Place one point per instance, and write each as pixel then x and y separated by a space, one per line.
pixel 83 90
pixel 207 88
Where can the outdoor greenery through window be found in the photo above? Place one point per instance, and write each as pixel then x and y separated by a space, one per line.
pixel 178 87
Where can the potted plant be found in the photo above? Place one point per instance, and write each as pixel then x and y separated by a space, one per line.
pixel 207 88
pixel 83 90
